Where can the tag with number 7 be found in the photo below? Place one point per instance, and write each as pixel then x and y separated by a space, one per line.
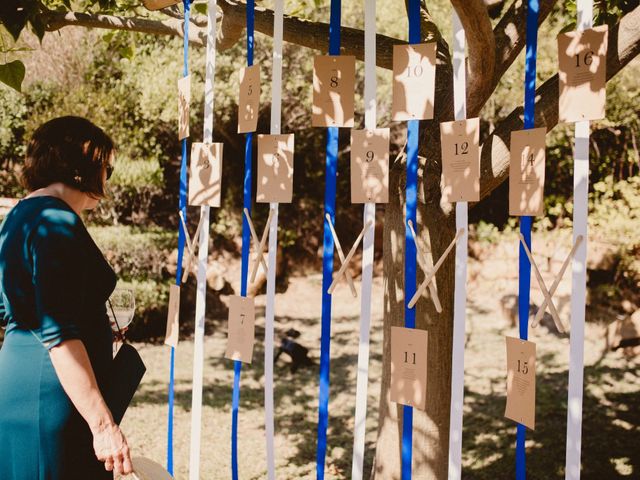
pixel 241 335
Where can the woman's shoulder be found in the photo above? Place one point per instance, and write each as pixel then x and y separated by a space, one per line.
pixel 49 217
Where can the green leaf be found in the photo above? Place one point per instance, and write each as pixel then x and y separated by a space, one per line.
pixel 200 8
pixel 12 74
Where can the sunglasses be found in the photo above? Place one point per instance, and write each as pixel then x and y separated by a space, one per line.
pixel 109 171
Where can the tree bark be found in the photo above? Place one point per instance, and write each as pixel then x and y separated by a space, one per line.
pixel 436 225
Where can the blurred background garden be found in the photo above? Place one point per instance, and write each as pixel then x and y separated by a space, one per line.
pixel 126 83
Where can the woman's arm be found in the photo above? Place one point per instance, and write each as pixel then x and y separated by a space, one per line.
pixel 72 365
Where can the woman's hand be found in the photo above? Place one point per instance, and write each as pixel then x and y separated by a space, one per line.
pixel 118 336
pixel 111 448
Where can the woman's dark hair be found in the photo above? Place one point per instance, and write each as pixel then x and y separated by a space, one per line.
pixel 71 150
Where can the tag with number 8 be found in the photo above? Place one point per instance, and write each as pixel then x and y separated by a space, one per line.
pixel 334 80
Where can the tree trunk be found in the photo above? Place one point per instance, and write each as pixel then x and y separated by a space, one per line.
pixel 436 228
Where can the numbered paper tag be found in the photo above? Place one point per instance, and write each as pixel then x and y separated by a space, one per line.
pixel 334 79
pixel 242 317
pixel 521 382
pixel 526 172
pixel 414 80
pixel 582 58
pixel 173 317
pixel 184 98
pixel 275 168
pixel 158 4
pixel 409 366
pixel 249 102
pixel 370 166
pixel 460 160
pixel 205 174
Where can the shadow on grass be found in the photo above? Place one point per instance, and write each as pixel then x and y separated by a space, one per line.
pixel 610 429
pixel 295 395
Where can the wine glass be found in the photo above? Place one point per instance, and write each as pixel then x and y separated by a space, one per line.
pixel 121 307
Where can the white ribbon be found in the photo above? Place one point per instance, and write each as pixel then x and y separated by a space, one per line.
pixel 203 252
pixel 276 116
pixel 369 217
pixel 460 292
pixel 579 278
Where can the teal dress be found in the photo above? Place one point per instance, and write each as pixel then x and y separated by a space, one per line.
pixel 54 283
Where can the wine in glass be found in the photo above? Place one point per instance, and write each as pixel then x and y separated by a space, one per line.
pixel 121 308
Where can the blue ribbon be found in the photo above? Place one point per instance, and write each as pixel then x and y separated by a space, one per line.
pixel 182 205
pixel 524 282
pixel 327 259
pixel 246 239
pixel 413 128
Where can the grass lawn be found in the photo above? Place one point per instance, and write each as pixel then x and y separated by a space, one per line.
pixel 611 433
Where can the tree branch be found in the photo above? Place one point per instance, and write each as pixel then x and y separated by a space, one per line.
pixel 171 26
pixel 510 39
pixel 624 46
pixel 480 38
pixel 308 34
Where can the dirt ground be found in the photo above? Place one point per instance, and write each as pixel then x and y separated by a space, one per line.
pixel 611 432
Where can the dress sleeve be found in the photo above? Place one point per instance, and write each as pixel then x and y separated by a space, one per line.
pixel 59 277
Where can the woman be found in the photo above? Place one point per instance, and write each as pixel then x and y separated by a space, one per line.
pixel 54 282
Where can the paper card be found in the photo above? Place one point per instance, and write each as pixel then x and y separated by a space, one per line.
pixel 370 166
pixel 249 102
pixel 526 172
pixel 460 143
pixel 184 99
pixel 414 80
pixel 158 4
pixel 582 73
pixel 173 317
pixel 334 79
pixel 275 168
pixel 521 382
pixel 205 174
pixel 409 366
pixel 242 317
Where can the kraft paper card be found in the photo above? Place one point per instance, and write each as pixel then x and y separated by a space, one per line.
pixel 249 102
pixel 275 168
pixel 205 174
pixel 526 172
pixel 582 73
pixel 414 80
pixel 460 160
pixel 521 382
pixel 409 366
pixel 184 99
pixel 173 317
pixel 334 79
pixel 242 317
pixel 370 166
